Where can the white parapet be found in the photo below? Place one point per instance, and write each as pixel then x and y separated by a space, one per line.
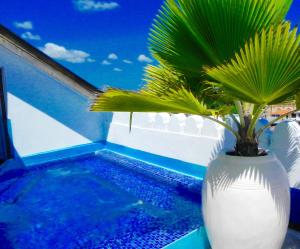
pixel 285 143
pixel 193 125
pixel 176 136
pixel 143 119
pixel 177 123
pixel 121 118
pixel 161 121
pixel 212 129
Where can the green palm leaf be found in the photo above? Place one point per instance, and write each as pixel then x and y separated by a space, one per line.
pixel 180 101
pixel 297 100
pixel 161 79
pixel 266 70
pixel 188 34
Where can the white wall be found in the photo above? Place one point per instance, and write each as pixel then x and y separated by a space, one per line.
pixel 188 138
pixel 44 113
pixel 286 146
pixel 191 139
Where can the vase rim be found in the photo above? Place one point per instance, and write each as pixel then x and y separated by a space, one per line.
pixel 248 161
pixel 269 157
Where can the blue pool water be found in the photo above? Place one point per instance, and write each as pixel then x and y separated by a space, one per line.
pixel 96 201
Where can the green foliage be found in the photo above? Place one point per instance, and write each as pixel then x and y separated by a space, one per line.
pixel 297 98
pixel 161 79
pixel 266 71
pixel 180 101
pixel 188 34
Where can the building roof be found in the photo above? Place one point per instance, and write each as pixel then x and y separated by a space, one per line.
pixel 280 112
pixel 54 69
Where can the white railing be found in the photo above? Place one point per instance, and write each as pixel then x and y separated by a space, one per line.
pixel 189 138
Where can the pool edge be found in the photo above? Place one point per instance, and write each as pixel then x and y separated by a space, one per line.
pixel 195 239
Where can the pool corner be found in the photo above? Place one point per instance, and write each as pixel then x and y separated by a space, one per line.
pixel 195 239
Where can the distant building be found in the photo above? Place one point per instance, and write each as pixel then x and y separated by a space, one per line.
pixel 275 111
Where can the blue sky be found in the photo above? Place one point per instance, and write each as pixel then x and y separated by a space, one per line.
pixel 105 42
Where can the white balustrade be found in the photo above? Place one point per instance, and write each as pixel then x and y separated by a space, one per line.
pixel 143 119
pixel 193 125
pixel 161 121
pixel 121 117
pixel 211 129
pixel 177 123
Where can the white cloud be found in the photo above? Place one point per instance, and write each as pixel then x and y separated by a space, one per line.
pixel 112 56
pixel 90 60
pixel 29 36
pixel 116 69
pixel 127 61
pixel 61 53
pixel 92 5
pixel 144 59
pixel 24 25
pixel 105 63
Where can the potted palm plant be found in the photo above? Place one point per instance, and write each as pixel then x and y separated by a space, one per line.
pixel 221 58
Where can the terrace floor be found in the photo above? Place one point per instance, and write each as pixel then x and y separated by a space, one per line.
pixel 292 240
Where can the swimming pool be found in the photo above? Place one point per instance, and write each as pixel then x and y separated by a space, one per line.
pixel 101 200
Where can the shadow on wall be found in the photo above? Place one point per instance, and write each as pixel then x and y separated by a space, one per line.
pixel 286 146
pixel 49 96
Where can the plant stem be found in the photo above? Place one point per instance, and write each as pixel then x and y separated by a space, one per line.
pixel 130 121
pixel 248 108
pixel 254 119
pixel 246 147
pixel 235 120
pixel 239 107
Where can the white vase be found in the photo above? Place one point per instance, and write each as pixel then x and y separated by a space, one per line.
pixel 246 202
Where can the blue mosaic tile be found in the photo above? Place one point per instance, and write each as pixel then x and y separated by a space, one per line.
pixel 97 201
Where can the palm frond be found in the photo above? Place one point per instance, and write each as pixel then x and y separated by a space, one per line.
pixel 161 79
pixel 189 34
pixel 266 70
pixel 297 100
pixel 180 101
